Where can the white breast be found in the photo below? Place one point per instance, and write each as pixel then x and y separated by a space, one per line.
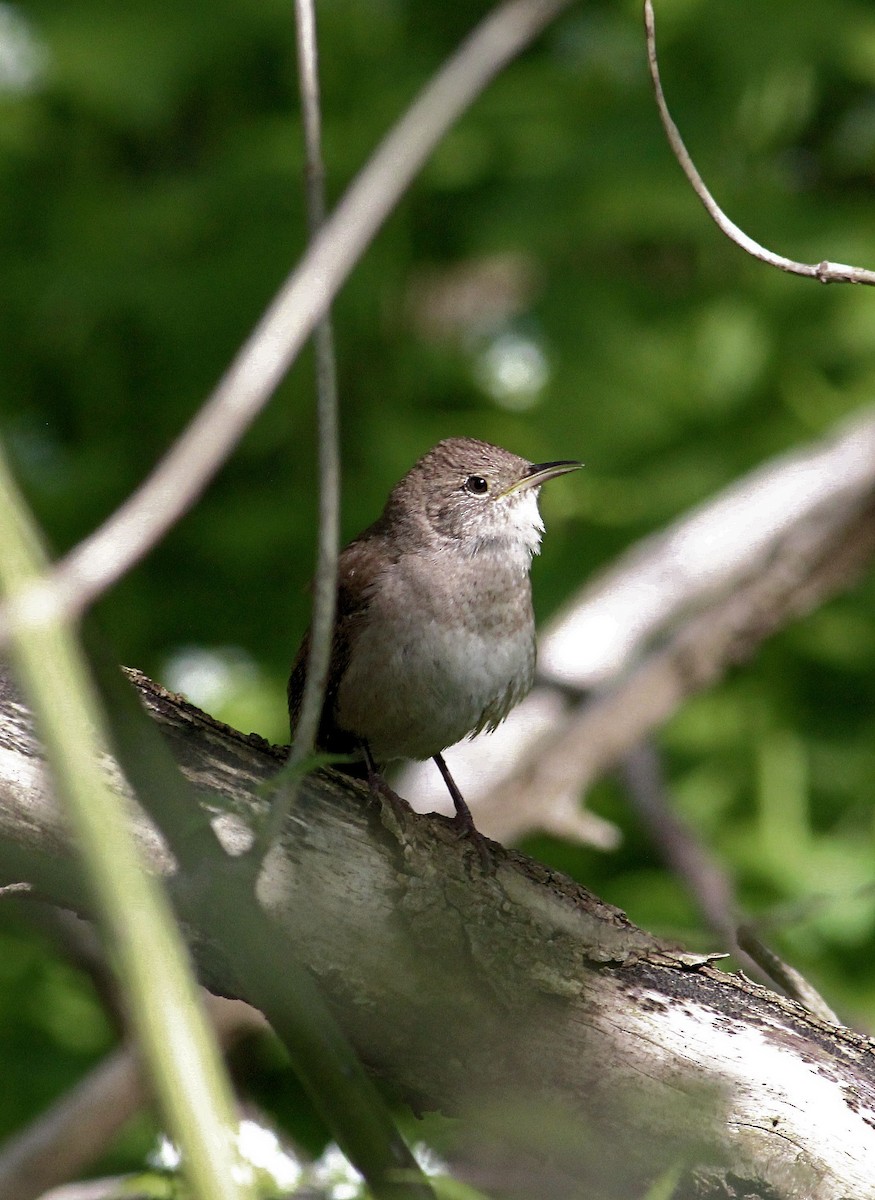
pixel 433 664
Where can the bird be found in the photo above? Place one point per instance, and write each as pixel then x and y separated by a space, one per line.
pixel 434 634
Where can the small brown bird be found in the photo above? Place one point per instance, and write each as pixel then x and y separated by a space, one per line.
pixel 434 637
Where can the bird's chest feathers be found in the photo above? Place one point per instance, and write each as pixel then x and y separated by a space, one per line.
pixel 445 648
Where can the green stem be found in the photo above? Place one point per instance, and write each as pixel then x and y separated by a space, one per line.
pixel 216 894
pixel 141 934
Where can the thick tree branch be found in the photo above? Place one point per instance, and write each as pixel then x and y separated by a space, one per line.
pixel 707 553
pixel 220 894
pixel 460 987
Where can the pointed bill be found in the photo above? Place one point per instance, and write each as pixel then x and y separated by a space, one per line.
pixel 539 473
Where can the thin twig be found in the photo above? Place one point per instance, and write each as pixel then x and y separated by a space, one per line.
pixel 77 941
pixel 791 981
pixel 181 476
pixel 706 880
pixel 325 581
pixel 826 272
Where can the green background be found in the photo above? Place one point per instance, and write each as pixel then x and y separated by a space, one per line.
pixel 150 205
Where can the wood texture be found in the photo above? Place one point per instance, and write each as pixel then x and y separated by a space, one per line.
pixel 501 997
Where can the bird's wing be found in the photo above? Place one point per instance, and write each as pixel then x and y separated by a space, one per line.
pixel 357 571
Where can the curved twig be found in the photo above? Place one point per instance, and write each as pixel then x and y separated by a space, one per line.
pixel 826 272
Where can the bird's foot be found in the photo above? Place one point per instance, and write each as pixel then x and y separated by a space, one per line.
pixel 380 788
pixel 464 825
pixel 463 821
pixel 378 785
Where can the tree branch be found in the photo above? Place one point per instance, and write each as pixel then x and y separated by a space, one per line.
pixel 810 566
pixel 825 272
pixel 219 894
pixel 458 986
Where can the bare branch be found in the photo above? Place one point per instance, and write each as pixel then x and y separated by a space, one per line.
pixel 707 881
pixel 16 890
pixel 179 478
pixel 826 272
pixel 791 982
pixel 704 554
pixel 325 581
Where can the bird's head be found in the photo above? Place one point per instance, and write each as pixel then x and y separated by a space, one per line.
pixel 476 496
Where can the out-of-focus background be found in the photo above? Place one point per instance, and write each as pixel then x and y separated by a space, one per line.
pixel 550 283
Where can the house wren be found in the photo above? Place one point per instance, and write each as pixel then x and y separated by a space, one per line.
pixel 434 638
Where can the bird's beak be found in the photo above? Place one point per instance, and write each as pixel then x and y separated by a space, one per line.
pixel 539 473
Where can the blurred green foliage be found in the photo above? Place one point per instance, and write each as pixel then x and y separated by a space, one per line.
pixel 550 283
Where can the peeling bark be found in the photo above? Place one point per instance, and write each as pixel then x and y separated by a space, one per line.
pixel 578 1048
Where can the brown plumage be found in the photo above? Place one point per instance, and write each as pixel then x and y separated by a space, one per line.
pixel 434 634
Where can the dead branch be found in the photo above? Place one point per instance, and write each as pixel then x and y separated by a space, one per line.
pixel 459 987
pixel 818 560
pixel 825 272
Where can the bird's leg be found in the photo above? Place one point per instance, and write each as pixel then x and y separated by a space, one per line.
pixel 380 787
pixel 463 820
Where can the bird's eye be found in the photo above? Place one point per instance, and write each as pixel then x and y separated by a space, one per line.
pixel 476 485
